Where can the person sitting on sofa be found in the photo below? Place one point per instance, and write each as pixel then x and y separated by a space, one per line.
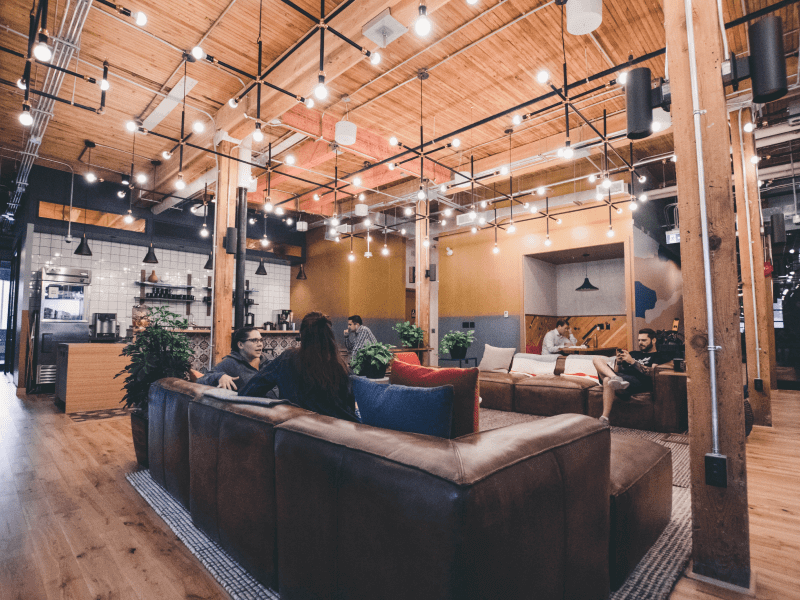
pixel 558 338
pixel 313 376
pixel 246 358
pixel 632 372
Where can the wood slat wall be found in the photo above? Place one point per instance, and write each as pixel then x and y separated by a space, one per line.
pixel 536 326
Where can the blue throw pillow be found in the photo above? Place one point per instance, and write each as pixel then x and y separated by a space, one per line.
pixel 403 408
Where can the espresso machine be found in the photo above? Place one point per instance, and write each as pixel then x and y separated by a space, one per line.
pixel 284 319
pixel 104 327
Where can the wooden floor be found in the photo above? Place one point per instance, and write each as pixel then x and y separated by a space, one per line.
pixel 72 527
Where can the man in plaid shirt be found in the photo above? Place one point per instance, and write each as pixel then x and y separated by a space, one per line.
pixel 357 335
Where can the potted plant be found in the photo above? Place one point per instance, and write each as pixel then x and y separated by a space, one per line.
pixel 411 336
pixel 156 352
pixel 456 343
pixel 372 360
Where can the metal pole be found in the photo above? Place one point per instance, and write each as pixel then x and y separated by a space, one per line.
pixel 241 251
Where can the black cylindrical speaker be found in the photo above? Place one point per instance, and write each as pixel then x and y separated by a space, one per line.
pixel 231 240
pixel 637 103
pixel 767 64
pixel 778 228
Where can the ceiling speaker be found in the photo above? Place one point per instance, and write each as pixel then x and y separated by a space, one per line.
pixel 346 133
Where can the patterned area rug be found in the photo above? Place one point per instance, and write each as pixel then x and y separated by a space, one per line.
pixel 96 415
pixel 653 578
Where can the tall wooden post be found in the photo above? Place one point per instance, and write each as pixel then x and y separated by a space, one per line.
pixel 769 292
pixel 751 252
pixel 423 256
pixel 225 215
pixel 720 526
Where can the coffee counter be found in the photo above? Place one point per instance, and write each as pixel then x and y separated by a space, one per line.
pixel 85 376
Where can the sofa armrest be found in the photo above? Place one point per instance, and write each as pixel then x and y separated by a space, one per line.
pixel 669 399
pixel 523 509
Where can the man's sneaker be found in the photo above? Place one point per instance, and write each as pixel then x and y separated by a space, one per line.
pixel 604 422
pixel 617 383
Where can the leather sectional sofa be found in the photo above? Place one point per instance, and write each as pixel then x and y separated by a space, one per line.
pixel 316 507
pixel 664 409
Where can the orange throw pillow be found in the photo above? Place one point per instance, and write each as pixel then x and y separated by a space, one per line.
pixel 465 391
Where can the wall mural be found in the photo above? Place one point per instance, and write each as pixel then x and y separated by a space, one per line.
pixel 658 287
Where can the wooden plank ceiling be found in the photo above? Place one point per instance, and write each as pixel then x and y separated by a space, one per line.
pixel 482 60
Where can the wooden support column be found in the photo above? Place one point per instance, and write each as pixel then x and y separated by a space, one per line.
pixel 720 526
pixel 423 257
pixel 754 296
pixel 769 292
pixel 224 216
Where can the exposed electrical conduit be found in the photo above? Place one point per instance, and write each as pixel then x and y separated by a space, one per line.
pixel 200 43
pixel 464 49
pixel 701 184
pixel 600 48
pixel 722 30
pixel 421 52
pixel 63 49
pixel 750 246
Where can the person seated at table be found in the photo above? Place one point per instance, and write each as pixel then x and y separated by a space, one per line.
pixel 313 376
pixel 246 358
pixel 632 371
pixel 357 335
pixel 558 338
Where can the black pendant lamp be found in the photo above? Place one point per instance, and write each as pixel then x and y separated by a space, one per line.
pixel 210 262
pixel 586 286
pixel 150 257
pixel 83 248
pixel 301 274
pixel 261 270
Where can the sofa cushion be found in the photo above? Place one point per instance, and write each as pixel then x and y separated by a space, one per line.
pixel 549 395
pixel 403 408
pixel 496 358
pixel 466 409
pixel 581 366
pixel 525 364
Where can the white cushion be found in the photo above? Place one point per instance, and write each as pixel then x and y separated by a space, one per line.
pixel 496 358
pixel 528 366
pixel 583 367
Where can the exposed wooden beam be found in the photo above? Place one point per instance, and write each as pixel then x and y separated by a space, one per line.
pixel 225 216
pixel 423 263
pixel 720 525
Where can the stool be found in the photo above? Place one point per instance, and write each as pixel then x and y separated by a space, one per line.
pixel 641 502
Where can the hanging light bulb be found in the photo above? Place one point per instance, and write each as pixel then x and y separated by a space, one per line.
pixel 592 178
pixel 619 210
pixel 547 241
pixel 558 221
pixel 385 250
pixel 403 231
pixel 180 184
pixel 357 181
pixel 422 26
pixel 335 221
pixel 443 222
pixel 393 141
pixel 482 221
pixel 289 221
pixel 755 159
pixel 448 212
pixel 642 178
pixel 472 214
pixel 516 119
pixel 120 194
pixel 233 102
pixel 267 205
pixel 442 188
pixel 560 153
pixel 351 257
pixel 21 84
pixel 90 177
pixel 320 91
pixel 456 142
pixel 309 102
pixel 474 230
pixel 390 166
pixel 541 190
pixel 104 85
pixel 568 152
pixel 166 155
pixel 367 222
pixel 251 220
pixel 483 203
pixel 610 232
pixel 125 181
pixel 198 127
pixel 622 78
pixel 257 133
pixel 542 76
pixel 204 231
pixel 290 160
pixel 511 228
pixel 421 194
pixel 279 211
pixel 130 126
pixel 375 58
pixel 41 51
pixel 504 170
pixel 338 239
pixel 748 127
pixel 129 217
pixel 426 242
pixel 760 183
pixel 606 183
pixel 361 196
pixel 655 126
pixel 198 53
pixel 264 241
pixel 643 197
pixel 495 250
pixel 632 205
pixel 534 210
pixel 141 19
pixel 599 197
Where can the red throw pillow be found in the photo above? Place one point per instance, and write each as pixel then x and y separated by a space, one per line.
pixel 409 358
pixel 465 391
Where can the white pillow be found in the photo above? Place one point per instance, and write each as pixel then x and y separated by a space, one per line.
pixel 583 367
pixel 496 358
pixel 528 366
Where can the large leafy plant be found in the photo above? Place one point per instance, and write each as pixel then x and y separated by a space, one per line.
pixel 456 339
pixel 410 335
pixel 155 353
pixel 371 357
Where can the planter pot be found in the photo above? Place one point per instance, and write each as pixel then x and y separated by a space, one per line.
pixel 374 373
pixel 459 352
pixel 139 428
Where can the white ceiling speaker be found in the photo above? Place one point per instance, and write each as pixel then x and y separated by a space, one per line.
pixel 383 29
pixel 302 226
pixel 584 16
pixel 345 133
pixel 361 210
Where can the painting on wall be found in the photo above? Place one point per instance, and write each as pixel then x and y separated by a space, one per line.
pixel 658 287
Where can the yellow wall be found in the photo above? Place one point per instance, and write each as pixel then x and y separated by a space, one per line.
pixel 476 282
pixel 371 287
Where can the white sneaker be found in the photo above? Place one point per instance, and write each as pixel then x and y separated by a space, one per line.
pixel 617 383
pixel 604 422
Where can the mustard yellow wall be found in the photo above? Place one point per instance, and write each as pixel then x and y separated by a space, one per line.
pixel 476 282
pixel 371 287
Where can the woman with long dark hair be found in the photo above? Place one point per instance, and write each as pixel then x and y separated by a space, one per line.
pixel 313 376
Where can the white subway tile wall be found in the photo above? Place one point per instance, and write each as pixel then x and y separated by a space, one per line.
pixel 116 267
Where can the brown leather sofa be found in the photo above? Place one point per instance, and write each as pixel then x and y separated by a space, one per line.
pixel 316 507
pixel 664 409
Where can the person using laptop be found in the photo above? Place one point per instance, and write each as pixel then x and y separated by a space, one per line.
pixel 558 338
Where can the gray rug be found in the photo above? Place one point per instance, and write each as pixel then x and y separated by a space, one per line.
pixel 653 578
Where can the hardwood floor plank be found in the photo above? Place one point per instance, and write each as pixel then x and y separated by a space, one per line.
pixel 20 577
